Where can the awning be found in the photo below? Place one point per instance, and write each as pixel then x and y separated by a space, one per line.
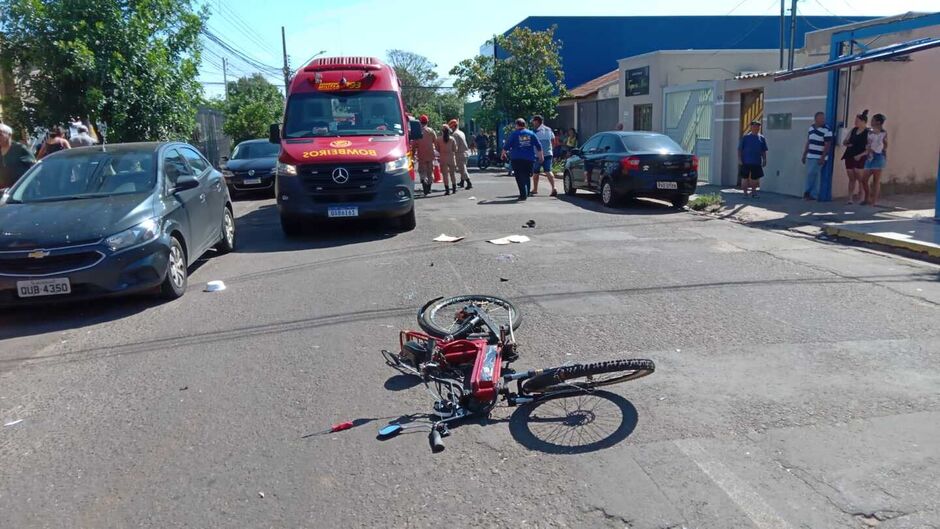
pixel 876 54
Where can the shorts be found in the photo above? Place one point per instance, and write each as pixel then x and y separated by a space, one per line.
pixel 545 166
pixel 752 171
pixel 851 163
pixel 877 161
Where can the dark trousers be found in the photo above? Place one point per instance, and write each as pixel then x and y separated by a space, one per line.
pixel 522 169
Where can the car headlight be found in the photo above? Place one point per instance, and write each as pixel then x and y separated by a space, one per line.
pixel 285 169
pixel 396 165
pixel 144 232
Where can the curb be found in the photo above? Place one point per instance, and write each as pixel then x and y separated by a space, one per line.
pixel 911 245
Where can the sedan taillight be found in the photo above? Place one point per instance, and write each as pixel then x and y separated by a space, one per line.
pixel 631 163
pixel 695 163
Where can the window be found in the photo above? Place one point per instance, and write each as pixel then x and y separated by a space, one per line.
pixel 642 117
pixel 343 114
pixel 610 143
pixel 651 143
pixel 196 162
pixel 174 166
pixel 637 81
pixel 256 149
pixel 592 144
pixel 779 121
pixel 90 174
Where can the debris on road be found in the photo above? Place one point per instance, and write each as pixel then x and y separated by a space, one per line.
pixel 471 198
pixel 510 239
pixel 505 258
pixel 529 224
pixel 261 495
pixel 215 286
pixel 503 279
pixel 184 388
pixel 13 423
pixel 447 238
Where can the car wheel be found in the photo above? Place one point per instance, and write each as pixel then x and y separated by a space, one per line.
pixel 569 184
pixel 608 198
pixel 227 243
pixel 291 227
pixel 177 277
pixel 407 222
pixel 680 201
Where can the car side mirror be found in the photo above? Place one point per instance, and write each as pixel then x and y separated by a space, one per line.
pixel 185 183
pixel 415 132
pixel 274 133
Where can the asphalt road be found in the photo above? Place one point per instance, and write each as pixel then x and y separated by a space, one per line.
pixel 797 383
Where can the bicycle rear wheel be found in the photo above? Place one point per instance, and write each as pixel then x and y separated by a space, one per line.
pixel 444 317
pixel 588 376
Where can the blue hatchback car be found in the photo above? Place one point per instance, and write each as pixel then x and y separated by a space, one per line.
pixel 112 219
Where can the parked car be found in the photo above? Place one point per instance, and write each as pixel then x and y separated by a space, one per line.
pixel 251 167
pixel 111 219
pixel 632 164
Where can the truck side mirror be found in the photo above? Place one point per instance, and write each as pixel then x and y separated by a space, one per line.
pixel 415 132
pixel 274 133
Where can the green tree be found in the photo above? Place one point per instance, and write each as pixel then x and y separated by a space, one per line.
pixel 253 105
pixel 130 64
pixel 527 78
pixel 418 79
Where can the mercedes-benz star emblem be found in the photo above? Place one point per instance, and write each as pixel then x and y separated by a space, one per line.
pixel 340 175
pixel 251 172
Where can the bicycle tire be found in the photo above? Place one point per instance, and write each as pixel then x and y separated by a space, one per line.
pixel 430 325
pixel 566 378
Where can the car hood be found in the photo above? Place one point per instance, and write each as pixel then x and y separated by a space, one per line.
pixel 350 149
pixel 251 163
pixel 70 222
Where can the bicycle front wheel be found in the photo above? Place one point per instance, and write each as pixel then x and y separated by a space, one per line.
pixel 588 376
pixel 445 317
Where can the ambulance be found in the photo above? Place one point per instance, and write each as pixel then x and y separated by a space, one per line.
pixel 345 146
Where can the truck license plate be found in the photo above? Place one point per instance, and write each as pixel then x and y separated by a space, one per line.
pixel 667 185
pixel 43 287
pixel 345 211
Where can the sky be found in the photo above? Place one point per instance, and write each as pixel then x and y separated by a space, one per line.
pixel 444 31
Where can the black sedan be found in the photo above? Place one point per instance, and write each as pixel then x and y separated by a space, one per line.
pixel 251 167
pixel 113 219
pixel 632 164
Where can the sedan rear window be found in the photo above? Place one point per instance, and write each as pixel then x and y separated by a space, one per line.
pixel 88 175
pixel 652 143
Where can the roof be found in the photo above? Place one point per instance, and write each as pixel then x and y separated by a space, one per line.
pixel 876 54
pixel 594 85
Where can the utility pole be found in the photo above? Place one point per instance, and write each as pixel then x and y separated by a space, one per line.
pixel 783 26
pixel 225 76
pixel 286 63
pixel 792 33
pixel 496 96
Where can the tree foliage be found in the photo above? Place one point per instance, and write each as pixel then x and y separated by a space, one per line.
pixel 526 79
pixel 422 90
pixel 131 64
pixel 253 105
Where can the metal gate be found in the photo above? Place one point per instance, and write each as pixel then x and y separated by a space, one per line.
pixel 688 121
pixel 596 116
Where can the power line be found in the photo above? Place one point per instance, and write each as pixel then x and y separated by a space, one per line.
pixel 244 30
pixel 259 39
pixel 827 10
pixel 238 52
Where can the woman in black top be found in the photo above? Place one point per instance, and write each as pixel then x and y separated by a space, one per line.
pixel 15 158
pixel 856 145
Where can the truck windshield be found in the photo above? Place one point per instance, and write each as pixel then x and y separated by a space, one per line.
pixel 343 114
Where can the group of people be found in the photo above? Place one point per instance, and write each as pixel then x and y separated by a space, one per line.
pixel 530 154
pixel 450 148
pixel 16 158
pixel 865 157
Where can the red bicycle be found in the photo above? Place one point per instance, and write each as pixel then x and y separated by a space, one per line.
pixel 463 358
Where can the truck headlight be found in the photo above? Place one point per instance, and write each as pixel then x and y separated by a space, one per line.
pixel 286 169
pixel 142 233
pixel 396 165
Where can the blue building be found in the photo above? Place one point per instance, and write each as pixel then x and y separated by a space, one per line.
pixel 591 46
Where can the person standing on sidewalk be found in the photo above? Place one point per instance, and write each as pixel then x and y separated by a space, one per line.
pixel 877 157
pixel 818 140
pixel 752 157
pixel 15 158
pixel 856 149
pixel 54 143
pixel 424 150
pixel 482 143
pixel 447 147
pixel 463 153
pixel 523 149
pixel 546 137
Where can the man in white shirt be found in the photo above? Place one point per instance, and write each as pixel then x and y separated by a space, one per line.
pixel 81 138
pixel 545 136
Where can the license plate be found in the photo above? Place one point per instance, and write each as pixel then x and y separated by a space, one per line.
pixel 251 181
pixel 342 212
pixel 667 185
pixel 43 287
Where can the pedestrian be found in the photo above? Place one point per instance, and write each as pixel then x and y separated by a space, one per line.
pixel 463 153
pixel 856 150
pixel 54 143
pixel 571 141
pixel 619 126
pixel 424 151
pixel 752 158
pixel 544 166
pixel 82 138
pixel 523 149
pixel 818 140
pixel 447 147
pixel 556 142
pixel 877 152
pixel 482 144
pixel 15 158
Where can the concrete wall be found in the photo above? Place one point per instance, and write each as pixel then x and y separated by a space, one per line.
pixel 686 67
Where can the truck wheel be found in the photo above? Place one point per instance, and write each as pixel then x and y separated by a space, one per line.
pixel 291 227
pixel 407 222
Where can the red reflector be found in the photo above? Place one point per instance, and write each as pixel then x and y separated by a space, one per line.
pixel 630 163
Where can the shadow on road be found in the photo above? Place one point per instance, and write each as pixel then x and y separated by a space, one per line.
pixel 585 422
pixel 637 206
pixel 259 231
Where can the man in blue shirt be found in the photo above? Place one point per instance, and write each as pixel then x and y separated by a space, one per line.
pixel 524 149
pixel 752 157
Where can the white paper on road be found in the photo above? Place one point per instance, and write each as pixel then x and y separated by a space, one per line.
pixel 215 286
pixel 502 241
pixel 471 198
pixel 11 423
pixel 447 238
pixel 509 239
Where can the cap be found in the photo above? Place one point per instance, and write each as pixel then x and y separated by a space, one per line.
pixel 452 123
pixel 755 122
pixel 423 119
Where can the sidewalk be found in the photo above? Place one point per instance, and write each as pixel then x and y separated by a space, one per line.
pixel 902 221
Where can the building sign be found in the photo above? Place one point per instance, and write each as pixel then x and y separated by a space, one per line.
pixel 638 81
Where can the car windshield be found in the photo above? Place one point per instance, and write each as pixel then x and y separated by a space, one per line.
pixel 256 149
pixel 651 143
pixel 343 114
pixel 87 175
